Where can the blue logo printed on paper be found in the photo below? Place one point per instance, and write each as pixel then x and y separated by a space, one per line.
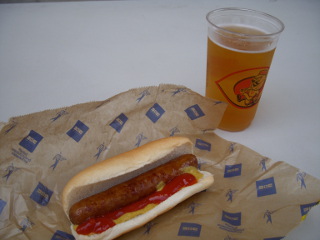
pixel 57 158
pixel 78 131
pixel 232 170
pixel 173 131
pixel 59 115
pixel 301 178
pixel 230 194
pixel 119 122
pixel 263 164
pixel 193 207
pixel 266 187
pixel 31 141
pixel 148 227
pixel 305 208
pixel 155 112
pixel 2 205
pixel 231 147
pixel 232 218
pixel 60 235
pixel 189 229
pixel 21 154
pixel 142 95
pixel 230 228
pixel 25 224
pixel 203 145
pixel 267 215
pixel 12 125
pixel 100 149
pixel 11 169
pixel 41 194
pixel 140 138
pixel 178 90
pixel 194 112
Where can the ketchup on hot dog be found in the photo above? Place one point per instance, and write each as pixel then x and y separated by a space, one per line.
pixel 104 222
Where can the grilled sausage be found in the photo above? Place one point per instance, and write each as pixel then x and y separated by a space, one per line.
pixel 129 191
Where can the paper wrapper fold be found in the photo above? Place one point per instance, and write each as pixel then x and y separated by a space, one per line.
pixel 253 197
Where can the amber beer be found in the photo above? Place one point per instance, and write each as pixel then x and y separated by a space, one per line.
pixel 228 68
pixel 238 62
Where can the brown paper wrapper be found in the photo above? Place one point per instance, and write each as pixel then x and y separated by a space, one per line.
pixel 253 197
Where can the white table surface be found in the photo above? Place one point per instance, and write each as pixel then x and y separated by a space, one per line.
pixel 59 54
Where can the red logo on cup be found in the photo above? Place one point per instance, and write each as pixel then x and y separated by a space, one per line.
pixel 243 89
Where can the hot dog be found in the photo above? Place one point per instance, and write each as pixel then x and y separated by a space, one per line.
pixel 129 191
pixel 130 179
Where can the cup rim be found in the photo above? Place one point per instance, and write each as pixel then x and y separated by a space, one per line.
pixel 274 19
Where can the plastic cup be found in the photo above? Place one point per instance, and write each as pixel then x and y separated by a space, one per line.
pixel 241 44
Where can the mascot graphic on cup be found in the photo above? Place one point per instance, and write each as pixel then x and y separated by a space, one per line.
pixel 249 90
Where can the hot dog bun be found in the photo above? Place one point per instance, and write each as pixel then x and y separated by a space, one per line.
pixel 141 220
pixel 112 171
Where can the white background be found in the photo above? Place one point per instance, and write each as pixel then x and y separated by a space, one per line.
pixel 59 54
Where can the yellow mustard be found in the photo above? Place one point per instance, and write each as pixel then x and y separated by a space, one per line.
pixel 130 215
pixel 127 216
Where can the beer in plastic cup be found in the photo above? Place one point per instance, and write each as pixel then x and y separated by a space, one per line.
pixel 241 44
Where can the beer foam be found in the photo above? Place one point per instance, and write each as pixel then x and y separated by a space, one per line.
pixel 242 38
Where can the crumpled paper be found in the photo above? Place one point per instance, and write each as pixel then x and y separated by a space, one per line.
pixel 253 197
